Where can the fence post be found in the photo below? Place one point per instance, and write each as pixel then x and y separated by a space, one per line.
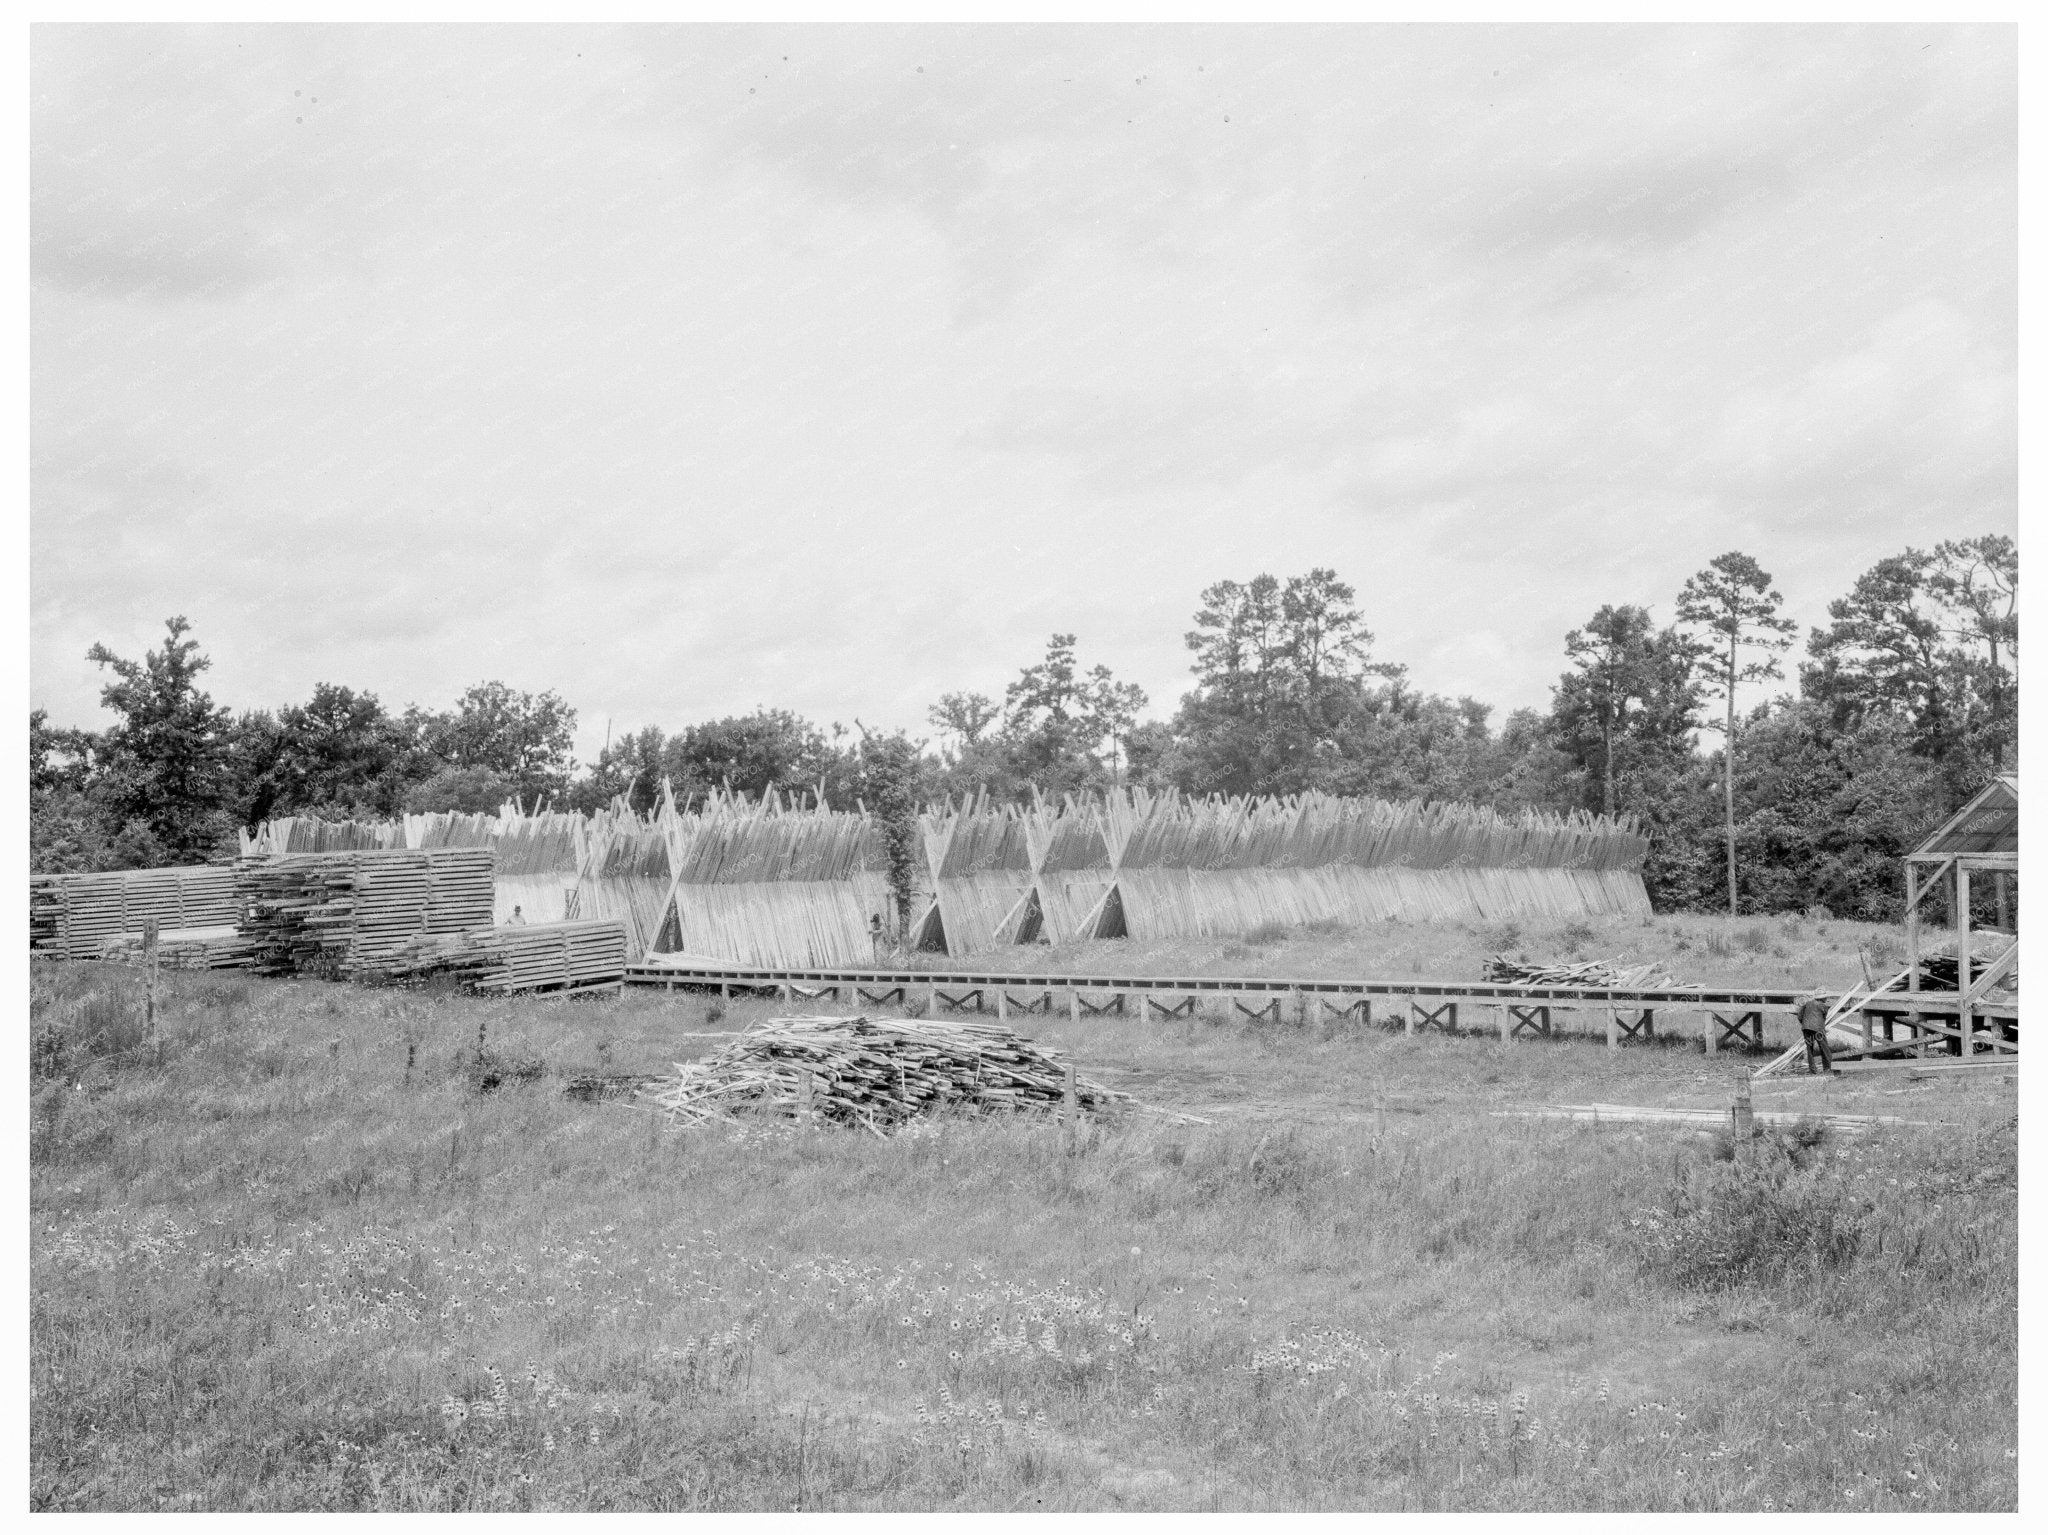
pixel 1002 1003
pixel 1506 1024
pixel 1713 1031
pixel 155 1041
pixel 1613 1029
pixel 1074 1004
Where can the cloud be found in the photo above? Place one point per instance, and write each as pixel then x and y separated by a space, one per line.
pixel 1923 405
pixel 682 370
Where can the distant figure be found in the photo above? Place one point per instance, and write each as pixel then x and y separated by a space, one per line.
pixel 875 934
pixel 1813 1028
pixel 518 918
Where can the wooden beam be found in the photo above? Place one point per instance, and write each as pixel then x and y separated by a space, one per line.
pixel 1912 927
pixel 1963 1018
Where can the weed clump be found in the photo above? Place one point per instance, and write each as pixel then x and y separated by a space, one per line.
pixel 1573 937
pixel 1499 937
pixel 1776 1215
pixel 1265 933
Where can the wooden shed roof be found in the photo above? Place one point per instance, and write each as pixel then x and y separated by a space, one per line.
pixel 1989 823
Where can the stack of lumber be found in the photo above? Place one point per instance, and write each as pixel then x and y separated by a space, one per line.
pixel 1593 974
pixel 72 915
pixel 309 834
pixel 874 1072
pixel 1070 850
pixel 984 878
pixel 541 956
pixel 772 882
pixel 1940 969
pixel 625 876
pixel 192 948
pixel 1189 867
pixel 345 911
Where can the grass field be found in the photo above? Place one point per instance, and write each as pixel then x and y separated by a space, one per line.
pixel 302 1261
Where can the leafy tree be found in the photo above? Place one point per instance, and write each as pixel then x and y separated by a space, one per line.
pixel 890 779
pixel 1399 743
pixel 58 757
pixel 1882 653
pixel 522 737
pixel 1930 639
pixel 1733 610
pixel 473 790
pixel 1057 720
pixel 632 765
pixel 964 716
pixel 165 755
pixel 1279 668
pixel 752 753
pixel 1977 581
pixel 1628 702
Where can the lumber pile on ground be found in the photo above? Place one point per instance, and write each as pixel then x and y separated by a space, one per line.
pixel 192 948
pixel 875 1072
pixel 1940 969
pixel 337 913
pixel 1596 974
pixel 540 956
pixel 71 916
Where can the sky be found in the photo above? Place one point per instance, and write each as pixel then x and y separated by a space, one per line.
pixel 684 371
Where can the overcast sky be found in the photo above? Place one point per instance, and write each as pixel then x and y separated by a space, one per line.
pixel 688 370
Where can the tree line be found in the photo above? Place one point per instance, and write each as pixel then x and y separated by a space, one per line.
pixel 1755 797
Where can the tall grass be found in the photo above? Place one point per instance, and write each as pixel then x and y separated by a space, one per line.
pixel 268 1274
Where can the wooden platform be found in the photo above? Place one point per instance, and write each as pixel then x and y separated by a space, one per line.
pixel 1725 1015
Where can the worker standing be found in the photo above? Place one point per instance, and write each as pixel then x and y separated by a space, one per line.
pixel 1813 1029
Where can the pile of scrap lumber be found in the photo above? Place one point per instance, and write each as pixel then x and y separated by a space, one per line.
pixel 540 956
pixel 1939 967
pixel 191 948
pixel 343 912
pixel 1592 974
pixel 70 916
pixel 875 1072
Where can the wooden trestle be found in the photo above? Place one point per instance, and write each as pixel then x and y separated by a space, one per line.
pixel 1893 1022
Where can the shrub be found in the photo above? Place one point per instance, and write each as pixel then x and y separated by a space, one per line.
pixel 1758 1221
pixel 1499 937
pixel 1574 936
pixel 1267 932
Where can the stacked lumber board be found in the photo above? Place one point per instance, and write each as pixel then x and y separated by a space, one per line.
pixel 72 915
pixel 540 956
pixel 345 911
pixel 876 1073
pixel 551 956
pixel 1594 974
pixel 194 948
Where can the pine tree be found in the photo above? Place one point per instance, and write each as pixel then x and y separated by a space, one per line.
pixel 1733 610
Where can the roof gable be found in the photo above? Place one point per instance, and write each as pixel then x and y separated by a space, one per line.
pixel 1990 823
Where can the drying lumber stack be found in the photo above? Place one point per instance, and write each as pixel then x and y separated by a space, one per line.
pixel 1593 974
pixel 345 911
pixel 769 883
pixel 876 1073
pixel 193 948
pixel 71 916
pixel 551 956
pixel 540 956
